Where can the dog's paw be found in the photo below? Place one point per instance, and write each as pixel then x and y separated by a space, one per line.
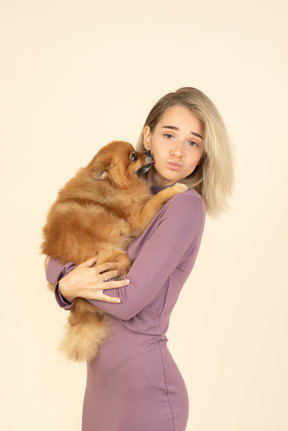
pixel 180 187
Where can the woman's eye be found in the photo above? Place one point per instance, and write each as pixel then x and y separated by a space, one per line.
pixel 193 143
pixel 168 135
pixel 133 157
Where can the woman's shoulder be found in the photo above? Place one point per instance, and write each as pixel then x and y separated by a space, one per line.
pixel 183 208
pixel 191 195
pixel 190 199
pixel 182 217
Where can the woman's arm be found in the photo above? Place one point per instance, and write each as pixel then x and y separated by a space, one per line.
pixel 177 237
pixel 91 275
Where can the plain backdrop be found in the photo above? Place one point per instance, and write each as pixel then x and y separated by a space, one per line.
pixel 75 75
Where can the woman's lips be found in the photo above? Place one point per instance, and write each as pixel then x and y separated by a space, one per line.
pixel 174 166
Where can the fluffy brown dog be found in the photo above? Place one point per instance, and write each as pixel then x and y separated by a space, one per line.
pixel 100 210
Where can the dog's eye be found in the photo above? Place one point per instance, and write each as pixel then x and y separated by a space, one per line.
pixel 133 157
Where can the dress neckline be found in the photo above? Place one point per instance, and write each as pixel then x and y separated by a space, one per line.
pixel 157 189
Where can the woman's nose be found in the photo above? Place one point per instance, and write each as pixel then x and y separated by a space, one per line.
pixel 176 150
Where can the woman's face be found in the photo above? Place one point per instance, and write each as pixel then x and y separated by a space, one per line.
pixel 176 145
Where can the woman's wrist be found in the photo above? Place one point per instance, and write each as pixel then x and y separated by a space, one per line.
pixel 65 291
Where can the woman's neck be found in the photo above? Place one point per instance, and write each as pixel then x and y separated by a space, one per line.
pixel 155 180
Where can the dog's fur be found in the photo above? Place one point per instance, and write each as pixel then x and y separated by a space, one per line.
pixel 100 210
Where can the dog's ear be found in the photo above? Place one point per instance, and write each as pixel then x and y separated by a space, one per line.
pixel 100 175
pixel 99 169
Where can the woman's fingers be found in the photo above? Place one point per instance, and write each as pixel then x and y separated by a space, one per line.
pixel 88 263
pixel 109 275
pixel 89 281
pixel 103 267
pixel 115 284
pixel 107 298
pixel 107 266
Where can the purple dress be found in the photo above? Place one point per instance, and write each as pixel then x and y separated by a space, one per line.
pixel 134 384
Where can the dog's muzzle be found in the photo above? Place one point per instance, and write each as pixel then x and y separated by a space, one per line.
pixel 145 168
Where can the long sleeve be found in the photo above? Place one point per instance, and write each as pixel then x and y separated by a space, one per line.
pixel 172 238
pixel 55 271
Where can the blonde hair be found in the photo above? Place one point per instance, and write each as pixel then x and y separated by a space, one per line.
pixel 214 177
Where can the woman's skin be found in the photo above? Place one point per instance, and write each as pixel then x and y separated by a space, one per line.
pixel 176 145
pixel 87 281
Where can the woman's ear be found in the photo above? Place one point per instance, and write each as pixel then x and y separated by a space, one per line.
pixel 147 138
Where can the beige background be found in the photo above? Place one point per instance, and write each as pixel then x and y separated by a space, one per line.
pixel 77 74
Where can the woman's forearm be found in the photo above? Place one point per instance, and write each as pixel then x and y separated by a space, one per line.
pixel 87 280
pixel 175 238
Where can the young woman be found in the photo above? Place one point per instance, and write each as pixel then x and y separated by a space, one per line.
pixel 134 384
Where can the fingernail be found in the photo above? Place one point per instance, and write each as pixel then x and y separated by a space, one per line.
pixel 118 300
pixel 127 281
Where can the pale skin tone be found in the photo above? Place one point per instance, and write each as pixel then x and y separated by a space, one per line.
pixel 87 281
pixel 176 144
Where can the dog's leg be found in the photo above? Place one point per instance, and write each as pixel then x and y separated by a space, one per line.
pixel 115 255
pixel 143 217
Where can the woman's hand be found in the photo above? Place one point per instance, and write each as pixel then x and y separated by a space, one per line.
pixel 87 281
